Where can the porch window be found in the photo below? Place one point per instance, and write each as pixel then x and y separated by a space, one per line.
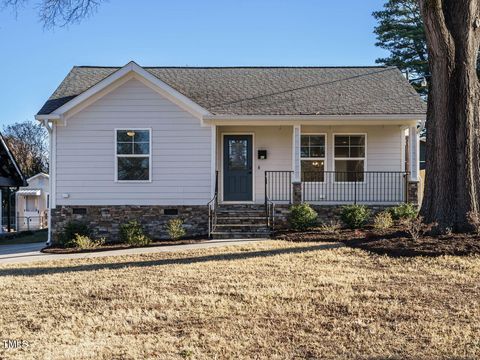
pixel 133 154
pixel 349 157
pixel 312 153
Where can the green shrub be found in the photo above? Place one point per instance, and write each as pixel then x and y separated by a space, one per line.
pixel 175 229
pixel 355 216
pixel 70 231
pixel 132 233
pixel 383 220
pixel 84 242
pixel 403 211
pixel 302 217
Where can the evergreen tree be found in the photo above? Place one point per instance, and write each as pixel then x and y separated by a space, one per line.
pixel 400 31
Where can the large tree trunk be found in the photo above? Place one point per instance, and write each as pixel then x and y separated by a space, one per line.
pixel 452 186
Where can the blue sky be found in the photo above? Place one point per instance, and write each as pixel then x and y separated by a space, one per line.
pixel 183 33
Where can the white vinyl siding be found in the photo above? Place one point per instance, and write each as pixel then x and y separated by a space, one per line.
pixel 180 152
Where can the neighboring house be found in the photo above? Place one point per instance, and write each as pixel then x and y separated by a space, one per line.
pixel 155 142
pixel 31 203
pixel 10 177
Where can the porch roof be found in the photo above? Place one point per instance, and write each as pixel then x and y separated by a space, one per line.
pixel 270 90
pixel 29 192
pixel 10 173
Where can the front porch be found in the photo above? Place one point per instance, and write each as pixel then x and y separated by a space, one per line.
pixel 325 164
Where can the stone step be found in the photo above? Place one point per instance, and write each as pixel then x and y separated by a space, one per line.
pixel 241 220
pixel 241 226
pixel 237 221
pixel 242 206
pixel 239 235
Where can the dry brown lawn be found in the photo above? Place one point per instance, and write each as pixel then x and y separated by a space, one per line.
pixel 269 300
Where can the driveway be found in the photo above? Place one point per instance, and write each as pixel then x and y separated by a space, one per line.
pixel 28 252
pixel 21 253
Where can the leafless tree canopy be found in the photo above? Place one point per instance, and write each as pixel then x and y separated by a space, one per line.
pixel 53 13
pixel 28 143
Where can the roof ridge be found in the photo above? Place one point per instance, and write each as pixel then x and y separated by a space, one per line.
pixel 242 67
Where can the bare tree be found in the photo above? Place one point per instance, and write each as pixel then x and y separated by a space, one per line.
pixel 453 153
pixel 28 143
pixel 53 13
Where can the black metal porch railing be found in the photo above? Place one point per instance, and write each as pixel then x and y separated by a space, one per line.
pixel 353 187
pixel 339 186
pixel 278 185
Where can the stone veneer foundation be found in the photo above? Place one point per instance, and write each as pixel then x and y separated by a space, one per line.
pixel 105 221
pixel 326 213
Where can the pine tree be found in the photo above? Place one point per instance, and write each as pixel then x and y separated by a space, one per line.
pixel 400 31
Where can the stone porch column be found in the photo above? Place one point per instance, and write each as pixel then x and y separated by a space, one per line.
pixel 413 165
pixel 296 178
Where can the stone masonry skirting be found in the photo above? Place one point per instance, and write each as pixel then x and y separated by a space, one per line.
pixel 326 213
pixel 105 221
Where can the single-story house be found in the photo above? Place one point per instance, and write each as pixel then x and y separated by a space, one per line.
pixel 220 146
pixel 10 177
pixel 31 203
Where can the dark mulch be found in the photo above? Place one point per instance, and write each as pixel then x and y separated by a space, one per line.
pixel 116 246
pixel 395 242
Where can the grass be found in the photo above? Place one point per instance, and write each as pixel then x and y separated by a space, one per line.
pixel 25 238
pixel 269 300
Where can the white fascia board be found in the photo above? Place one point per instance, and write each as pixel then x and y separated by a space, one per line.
pixel 269 120
pixel 294 118
pixel 47 117
pixel 131 67
pixel 38 175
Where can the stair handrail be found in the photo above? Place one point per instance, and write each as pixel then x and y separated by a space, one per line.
pixel 212 214
pixel 270 213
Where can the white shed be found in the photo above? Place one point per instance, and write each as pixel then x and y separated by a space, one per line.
pixel 32 203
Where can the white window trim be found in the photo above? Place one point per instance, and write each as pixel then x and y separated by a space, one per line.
pixel 349 158
pixel 139 155
pixel 324 158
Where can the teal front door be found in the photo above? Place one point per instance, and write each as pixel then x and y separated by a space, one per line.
pixel 237 168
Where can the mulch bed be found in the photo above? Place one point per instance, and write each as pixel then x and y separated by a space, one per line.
pixel 395 242
pixel 116 246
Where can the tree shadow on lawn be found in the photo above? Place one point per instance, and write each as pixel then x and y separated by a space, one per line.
pixel 35 271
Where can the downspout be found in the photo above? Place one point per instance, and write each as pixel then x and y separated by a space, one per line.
pixel 48 124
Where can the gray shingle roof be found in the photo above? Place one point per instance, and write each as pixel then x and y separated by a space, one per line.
pixel 270 90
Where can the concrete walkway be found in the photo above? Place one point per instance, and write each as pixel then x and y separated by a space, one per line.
pixel 22 253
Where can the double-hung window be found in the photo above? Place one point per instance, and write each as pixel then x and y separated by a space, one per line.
pixel 349 157
pixel 133 154
pixel 312 153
